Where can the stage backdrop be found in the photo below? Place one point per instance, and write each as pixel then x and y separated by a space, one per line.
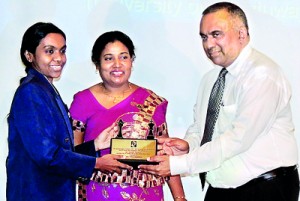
pixel 170 59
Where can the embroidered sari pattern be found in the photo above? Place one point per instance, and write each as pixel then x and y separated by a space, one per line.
pixel 143 186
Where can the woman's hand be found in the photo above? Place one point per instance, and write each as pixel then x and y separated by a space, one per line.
pixel 109 164
pixel 102 141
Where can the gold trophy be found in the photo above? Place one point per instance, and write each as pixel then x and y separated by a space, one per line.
pixel 136 151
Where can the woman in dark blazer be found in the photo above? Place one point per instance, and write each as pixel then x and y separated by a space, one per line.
pixel 42 163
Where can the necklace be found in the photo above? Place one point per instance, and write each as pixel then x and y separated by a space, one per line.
pixel 115 99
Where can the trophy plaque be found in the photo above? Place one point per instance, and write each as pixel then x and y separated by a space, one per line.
pixel 136 151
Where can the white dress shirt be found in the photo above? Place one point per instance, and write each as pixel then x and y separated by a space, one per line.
pixel 254 132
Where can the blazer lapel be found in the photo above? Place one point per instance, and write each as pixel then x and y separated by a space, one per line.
pixel 64 110
pixel 62 107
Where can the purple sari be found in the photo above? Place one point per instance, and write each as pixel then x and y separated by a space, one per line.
pixel 139 108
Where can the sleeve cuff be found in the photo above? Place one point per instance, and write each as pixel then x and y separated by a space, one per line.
pixel 87 148
pixel 178 164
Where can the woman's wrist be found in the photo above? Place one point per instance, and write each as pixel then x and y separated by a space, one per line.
pixel 180 198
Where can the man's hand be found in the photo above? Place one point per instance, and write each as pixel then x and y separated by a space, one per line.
pixel 102 141
pixel 109 164
pixel 162 169
pixel 172 146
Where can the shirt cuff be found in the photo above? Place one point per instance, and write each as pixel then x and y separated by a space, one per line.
pixel 178 164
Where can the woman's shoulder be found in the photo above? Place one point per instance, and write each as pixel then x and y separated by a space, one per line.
pixel 83 92
pixel 151 94
pixel 82 96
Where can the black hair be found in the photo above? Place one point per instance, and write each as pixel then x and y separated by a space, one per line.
pixel 109 37
pixel 33 36
pixel 231 8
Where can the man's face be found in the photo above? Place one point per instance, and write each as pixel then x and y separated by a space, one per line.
pixel 221 37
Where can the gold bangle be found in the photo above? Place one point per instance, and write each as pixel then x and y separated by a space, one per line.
pixel 179 197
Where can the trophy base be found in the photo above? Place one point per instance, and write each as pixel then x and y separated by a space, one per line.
pixel 134 163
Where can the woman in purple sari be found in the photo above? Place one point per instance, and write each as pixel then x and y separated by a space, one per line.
pixel 105 103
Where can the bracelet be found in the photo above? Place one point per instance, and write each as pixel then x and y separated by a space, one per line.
pixel 179 197
pixel 78 125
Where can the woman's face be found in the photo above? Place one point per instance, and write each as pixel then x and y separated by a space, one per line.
pixel 50 56
pixel 115 64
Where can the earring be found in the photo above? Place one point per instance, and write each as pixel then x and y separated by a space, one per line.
pixel 28 57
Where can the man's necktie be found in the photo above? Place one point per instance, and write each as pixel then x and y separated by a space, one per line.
pixel 213 109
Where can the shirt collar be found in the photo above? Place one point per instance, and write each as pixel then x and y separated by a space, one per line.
pixel 235 67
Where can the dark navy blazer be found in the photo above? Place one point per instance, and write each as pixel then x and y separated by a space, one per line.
pixel 41 163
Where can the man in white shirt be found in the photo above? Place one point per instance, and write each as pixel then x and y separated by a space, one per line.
pixel 252 155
